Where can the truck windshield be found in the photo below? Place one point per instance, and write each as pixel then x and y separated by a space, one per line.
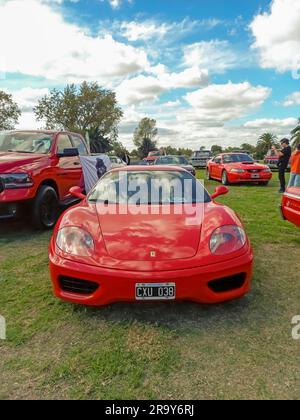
pixel 25 142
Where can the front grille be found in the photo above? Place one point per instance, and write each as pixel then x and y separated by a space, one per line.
pixel 81 287
pixel 254 171
pixel 228 284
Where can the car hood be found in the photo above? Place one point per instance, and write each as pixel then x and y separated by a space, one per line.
pixel 13 162
pixel 150 237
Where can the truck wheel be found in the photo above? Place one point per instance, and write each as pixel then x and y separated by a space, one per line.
pixel 45 208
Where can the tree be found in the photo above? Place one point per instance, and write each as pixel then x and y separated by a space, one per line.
pixel 98 143
pixel 146 130
pixel 216 150
pixel 146 146
pixel 87 108
pixel 265 143
pixel 296 135
pixel 9 112
pixel 119 149
pixel 248 148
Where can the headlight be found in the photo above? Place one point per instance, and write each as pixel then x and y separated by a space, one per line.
pixel 267 170
pixel 13 181
pixel 238 171
pixel 227 239
pixel 75 241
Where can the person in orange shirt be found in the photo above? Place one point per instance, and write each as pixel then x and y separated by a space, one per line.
pixel 295 169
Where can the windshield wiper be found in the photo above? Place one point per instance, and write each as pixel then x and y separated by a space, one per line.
pixel 19 151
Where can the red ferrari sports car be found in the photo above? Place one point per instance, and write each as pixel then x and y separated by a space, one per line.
pixel 233 168
pixel 291 205
pixel 150 234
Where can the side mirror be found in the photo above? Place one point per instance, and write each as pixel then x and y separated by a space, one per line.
pixel 222 190
pixel 77 192
pixel 69 153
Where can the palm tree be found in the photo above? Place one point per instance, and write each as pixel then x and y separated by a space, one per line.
pixel 265 143
pixel 296 135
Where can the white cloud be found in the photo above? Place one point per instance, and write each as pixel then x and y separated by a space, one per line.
pixel 28 97
pixel 41 43
pixel 216 56
pixel 272 124
pixel 149 88
pixel 151 29
pixel 293 99
pixel 277 35
pixel 216 104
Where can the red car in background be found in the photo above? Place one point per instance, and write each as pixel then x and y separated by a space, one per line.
pixel 107 250
pixel 271 159
pixel 37 170
pixel 152 157
pixel 290 207
pixel 234 168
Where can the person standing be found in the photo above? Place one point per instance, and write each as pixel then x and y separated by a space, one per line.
pixel 295 169
pixel 284 156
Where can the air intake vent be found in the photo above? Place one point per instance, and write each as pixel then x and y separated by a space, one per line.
pixel 80 287
pixel 227 284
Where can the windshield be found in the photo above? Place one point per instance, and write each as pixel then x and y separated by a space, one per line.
pixel 149 187
pixel 236 158
pixel 25 142
pixel 202 155
pixel 172 160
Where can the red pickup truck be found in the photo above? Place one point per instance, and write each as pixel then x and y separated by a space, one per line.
pixel 37 170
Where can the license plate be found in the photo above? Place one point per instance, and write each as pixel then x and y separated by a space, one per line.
pixel 255 176
pixel 152 291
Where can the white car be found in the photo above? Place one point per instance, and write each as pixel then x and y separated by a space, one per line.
pixel 116 162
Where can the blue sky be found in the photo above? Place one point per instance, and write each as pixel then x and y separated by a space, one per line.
pixel 210 72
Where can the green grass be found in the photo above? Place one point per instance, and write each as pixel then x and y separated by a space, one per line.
pixel 241 349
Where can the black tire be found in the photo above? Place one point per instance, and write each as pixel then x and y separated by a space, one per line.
pixel 225 178
pixel 208 177
pixel 265 184
pixel 45 208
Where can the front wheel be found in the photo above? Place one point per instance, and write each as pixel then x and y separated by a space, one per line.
pixel 265 184
pixel 225 178
pixel 45 208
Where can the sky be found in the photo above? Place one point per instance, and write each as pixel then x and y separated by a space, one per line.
pixel 209 71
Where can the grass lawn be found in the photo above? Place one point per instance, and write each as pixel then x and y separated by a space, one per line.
pixel 242 349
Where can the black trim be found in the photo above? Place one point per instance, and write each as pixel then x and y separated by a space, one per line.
pixel 228 284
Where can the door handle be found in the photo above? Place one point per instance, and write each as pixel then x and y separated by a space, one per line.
pixel 76 163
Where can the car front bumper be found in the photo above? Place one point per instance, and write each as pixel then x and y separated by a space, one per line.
pixel 119 286
pixel 247 177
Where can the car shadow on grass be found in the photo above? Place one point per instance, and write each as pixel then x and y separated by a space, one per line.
pixel 13 230
pixel 185 317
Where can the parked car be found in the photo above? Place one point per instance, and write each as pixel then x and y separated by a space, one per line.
pixel 233 168
pixel 271 159
pixel 99 255
pixel 200 159
pixel 176 161
pixel 152 156
pixel 116 162
pixel 37 170
pixel 290 207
